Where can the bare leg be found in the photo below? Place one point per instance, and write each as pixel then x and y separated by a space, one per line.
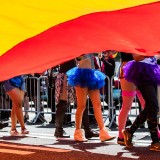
pixel 81 94
pixel 95 98
pixel 16 96
pixel 13 118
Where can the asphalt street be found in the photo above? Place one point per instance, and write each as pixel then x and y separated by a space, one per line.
pixel 41 144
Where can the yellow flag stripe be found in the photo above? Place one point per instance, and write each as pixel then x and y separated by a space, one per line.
pixel 21 19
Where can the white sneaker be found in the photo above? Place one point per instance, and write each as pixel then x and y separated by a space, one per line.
pixel 104 135
pixel 79 135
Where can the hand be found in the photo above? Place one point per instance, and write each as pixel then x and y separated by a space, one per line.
pixel 100 55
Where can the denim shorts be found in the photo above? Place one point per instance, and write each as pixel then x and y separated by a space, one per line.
pixel 8 86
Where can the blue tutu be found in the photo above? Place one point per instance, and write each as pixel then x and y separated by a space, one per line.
pixel 83 77
pixel 142 73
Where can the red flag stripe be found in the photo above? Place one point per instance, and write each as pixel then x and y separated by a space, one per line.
pixel 133 30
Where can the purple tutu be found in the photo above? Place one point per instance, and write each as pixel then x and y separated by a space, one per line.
pixel 142 73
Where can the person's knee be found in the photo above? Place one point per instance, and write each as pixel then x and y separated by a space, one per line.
pixel 81 108
pixel 62 105
pixel 18 105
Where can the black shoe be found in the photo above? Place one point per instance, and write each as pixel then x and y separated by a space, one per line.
pixel 127 138
pixel 3 125
pixel 60 133
pixel 128 123
pixel 90 133
pixel 52 122
pixel 26 118
pixel 120 141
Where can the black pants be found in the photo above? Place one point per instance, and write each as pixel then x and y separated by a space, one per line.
pixel 60 114
pixel 149 93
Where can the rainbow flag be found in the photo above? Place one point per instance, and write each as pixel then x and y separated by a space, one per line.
pixel 36 35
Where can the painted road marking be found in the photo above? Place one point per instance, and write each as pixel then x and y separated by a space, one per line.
pixel 20 152
pixel 17 146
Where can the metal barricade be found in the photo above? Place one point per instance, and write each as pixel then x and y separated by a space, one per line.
pixel 46 98
pixel 42 100
pixel 33 88
pixel 5 102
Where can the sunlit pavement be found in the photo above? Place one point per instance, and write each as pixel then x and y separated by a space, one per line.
pixel 40 144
